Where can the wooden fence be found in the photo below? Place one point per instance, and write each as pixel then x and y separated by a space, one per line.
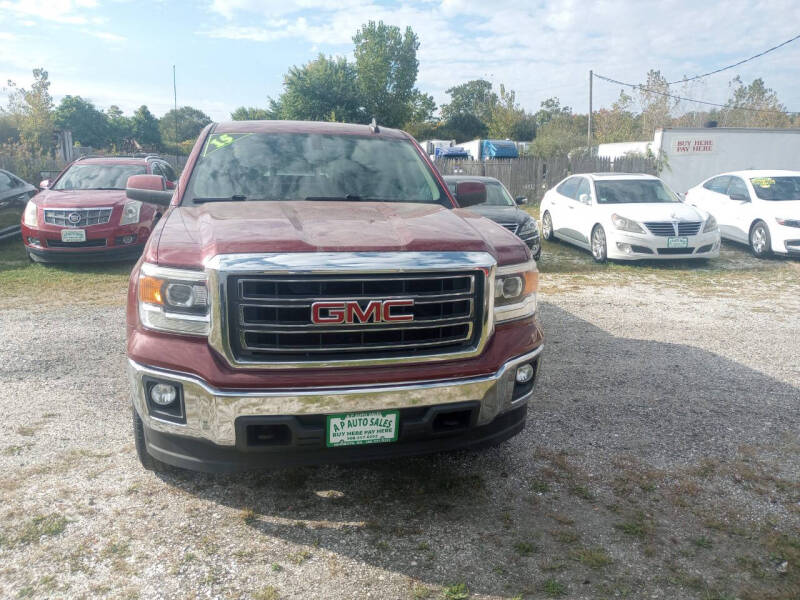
pixel 532 177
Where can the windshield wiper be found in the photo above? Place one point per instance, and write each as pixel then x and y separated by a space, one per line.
pixel 234 198
pixel 347 197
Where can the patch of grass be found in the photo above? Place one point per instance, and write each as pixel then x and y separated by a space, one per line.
pixel 117 549
pixel 524 548
pixel 702 542
pixel 420 592
pixel 457 591
pixel 299 557
pixel 26 430
pixel 540 486
pixel 266 593
pixel 554 588
pixel 639 525
pixel 596 557
pixel 15 450
pixel 248 516
pixel 42 526
pixel 581 491
pixel 565 536
pixel 276 568
pixel 563 519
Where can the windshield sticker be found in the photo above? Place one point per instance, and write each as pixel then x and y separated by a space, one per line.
pixel 764 182
pixel 222 140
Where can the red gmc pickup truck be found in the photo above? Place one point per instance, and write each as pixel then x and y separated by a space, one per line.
pixel 314 294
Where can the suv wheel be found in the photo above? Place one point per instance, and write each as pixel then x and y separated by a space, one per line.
pixel 599 244
pixel 760 242
pixel 148 462
pixel 547 226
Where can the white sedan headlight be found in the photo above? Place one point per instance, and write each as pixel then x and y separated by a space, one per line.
pixel 624 224
pixel 130 212
pixel 29 216
pixel 711 224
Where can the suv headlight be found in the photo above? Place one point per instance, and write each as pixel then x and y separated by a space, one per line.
pixel 130 212
pixel 29 216
pixel 173 300
pixel 515 288
pixel 711 224
pixel 788 222
pixel 624 224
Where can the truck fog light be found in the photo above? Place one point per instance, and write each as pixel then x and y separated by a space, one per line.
pixel 626 248
pixel 524 374
pixel 163 394
pixel 34 241
pixel 127 239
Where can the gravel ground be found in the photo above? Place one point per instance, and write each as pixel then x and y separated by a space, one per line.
pixel 660 460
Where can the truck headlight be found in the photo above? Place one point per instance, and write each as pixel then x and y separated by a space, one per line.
pixel 173 300
pixel 29 216
pixel 624 224
pixel 515 288
pixel 130 212
pixel 711 224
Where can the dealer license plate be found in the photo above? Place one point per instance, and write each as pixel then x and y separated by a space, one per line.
pixel 73 235
pixel 678 242
pixel 352 429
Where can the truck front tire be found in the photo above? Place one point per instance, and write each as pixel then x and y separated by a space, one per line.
pixel 148 462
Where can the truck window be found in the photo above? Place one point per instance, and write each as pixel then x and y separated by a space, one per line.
pixel 297 166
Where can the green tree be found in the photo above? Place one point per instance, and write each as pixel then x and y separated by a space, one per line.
pixel 9 132
pixel 619 124
pixel 182 124
pixel 144 127
pixel 474 97
pixel 753 105
pixel 32 111
pixel 120 127
pixel 88 125
pixel 655 105
pixel 464 127
pixel 250 113
pixel 558 136
pixel 423 107
pixel 324 89
pixel 509 120
pixel 549 109
pixel 386 71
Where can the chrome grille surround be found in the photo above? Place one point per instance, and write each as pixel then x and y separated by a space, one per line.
pixel 226 270
pixel 673 228
pixel 86 216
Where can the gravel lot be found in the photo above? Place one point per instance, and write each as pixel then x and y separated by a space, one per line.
pixel 660 460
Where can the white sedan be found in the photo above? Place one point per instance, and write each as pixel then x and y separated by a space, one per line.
pixel 758 208
pixel 627 217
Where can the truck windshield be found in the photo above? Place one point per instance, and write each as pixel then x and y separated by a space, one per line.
pixel 97 177
pixel 632 191
pixel 777 188
pixel 294 166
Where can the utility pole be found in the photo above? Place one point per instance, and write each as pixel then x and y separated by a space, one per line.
pixel 589 126
pixel 175 99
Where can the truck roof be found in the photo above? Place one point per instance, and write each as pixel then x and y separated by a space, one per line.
pixel 319 127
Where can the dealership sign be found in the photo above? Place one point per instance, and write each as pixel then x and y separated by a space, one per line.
pixel 692 146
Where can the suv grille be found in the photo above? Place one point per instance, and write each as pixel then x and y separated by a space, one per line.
pixel 84 218
pixel 666 228
pixel 512 227
pixel 270 316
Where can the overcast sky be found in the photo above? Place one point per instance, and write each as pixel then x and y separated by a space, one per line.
pixel 230 53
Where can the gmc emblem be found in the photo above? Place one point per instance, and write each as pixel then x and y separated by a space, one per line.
pixel 350 311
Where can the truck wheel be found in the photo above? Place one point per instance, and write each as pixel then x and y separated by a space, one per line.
pixel 547 226
pixel 148 462
pixel 760 242
pixel 599 244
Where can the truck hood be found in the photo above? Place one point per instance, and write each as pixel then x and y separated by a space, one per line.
pixel 80 198
pixel 191 235
pixel 655 211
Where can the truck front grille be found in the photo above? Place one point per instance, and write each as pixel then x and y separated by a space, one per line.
pixel 77 217
pixel 270 316
pixel 668 228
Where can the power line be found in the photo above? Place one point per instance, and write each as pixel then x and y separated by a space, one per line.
pixel 645 89
pixel 741 62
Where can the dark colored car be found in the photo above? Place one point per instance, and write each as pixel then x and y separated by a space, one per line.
pixel 84 215
pixel 501 208
pixel 14 195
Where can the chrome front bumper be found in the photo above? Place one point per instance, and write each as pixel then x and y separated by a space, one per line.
pixel 211 413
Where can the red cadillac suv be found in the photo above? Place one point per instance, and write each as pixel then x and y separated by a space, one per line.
pixel 84 215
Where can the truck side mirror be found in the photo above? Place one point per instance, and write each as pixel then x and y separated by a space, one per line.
pixel 470 193
pixel 148 188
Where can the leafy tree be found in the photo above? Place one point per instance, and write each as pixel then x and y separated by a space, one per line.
pixel 560 135
pixel 524 129
pixel 619 124
pixel 8 128
pixel 423 107
pixel 120 127
pixel 144 127
pixel 655 105
pixel 88 125
pixel 464 127
pixel 250 113
pixel 32 111
pixel 386 70
pixel 190 122
pixel 549 109
pixel 473 97
pixel 755 96
pixel 324 89
pixel 506 115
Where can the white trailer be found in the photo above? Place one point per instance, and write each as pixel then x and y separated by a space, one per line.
pixel 691 155
pixel 474 148
pixel 430 146
pixel 620 149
